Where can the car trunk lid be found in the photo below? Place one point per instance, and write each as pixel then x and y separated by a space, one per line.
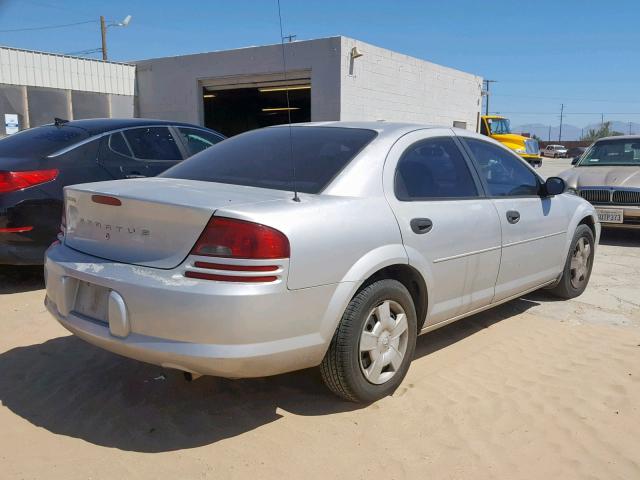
pixel 151 222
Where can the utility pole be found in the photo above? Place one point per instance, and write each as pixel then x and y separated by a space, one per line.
pixel 601 120
pixel 549 132
pixel 560 132
pixel 629 128
pixel 103 32
pixel 486 94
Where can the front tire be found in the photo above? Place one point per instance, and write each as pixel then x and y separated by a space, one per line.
pixel 578 266
pixel 374 343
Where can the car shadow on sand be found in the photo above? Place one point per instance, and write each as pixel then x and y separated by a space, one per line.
pixel 18 279
pixel 70 387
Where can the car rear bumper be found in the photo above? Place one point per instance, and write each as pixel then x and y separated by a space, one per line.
pixel 199 326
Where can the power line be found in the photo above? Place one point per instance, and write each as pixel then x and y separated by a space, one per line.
pixel 47 27
pixel 570 113
pixel 565 98
pixel 84 52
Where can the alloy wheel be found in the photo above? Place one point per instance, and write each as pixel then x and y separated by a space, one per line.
pixel 383 342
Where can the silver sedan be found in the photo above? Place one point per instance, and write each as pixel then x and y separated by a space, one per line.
pixel 329 244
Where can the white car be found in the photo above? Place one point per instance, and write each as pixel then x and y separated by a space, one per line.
pixel 554 151
pixel 216 267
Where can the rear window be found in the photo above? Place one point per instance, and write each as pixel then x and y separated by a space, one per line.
pixel 40 141
pixel 263 158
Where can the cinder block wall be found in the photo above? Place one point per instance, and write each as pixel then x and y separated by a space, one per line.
pixel 171 87
pixel 386 85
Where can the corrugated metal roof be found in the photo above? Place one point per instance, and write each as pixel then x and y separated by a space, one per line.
pixel 41 69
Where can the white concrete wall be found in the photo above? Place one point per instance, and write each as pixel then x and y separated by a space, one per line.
pixel 171 87
pixel 386 85
pixel 49 70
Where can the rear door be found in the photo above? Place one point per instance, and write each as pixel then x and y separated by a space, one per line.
pixel 450 231
pixel 116 157
pixel 142 152
pixel 534 228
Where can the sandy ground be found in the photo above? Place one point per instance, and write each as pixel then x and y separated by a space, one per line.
pixel 536 388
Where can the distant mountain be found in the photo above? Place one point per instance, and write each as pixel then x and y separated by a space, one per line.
pixel 571 132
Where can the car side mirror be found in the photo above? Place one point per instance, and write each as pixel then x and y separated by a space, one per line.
pixel 554 186
pixel 575 160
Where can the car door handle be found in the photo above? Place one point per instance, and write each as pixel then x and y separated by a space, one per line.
pixel 513 216
pixel 421 225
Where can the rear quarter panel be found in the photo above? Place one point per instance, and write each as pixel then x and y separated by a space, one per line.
pixel 333 239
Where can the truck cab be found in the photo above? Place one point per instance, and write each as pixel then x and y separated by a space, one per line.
pixel 498 128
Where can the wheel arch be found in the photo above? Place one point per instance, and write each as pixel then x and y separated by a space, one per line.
pixel 589 221
pixel 413 281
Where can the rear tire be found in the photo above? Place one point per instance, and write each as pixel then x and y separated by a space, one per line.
pixel 374 343
pixel 578 266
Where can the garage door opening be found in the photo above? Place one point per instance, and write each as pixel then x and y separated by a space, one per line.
pixel 235 110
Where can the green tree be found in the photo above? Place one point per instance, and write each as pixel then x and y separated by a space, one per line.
pixel 604 131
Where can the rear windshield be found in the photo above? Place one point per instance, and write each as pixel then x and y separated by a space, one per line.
pixel 40 141
pixel 263 158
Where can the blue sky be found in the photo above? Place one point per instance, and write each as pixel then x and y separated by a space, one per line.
pixel 584 54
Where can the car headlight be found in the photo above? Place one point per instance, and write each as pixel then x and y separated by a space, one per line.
pixel 520 150
pixel 572 191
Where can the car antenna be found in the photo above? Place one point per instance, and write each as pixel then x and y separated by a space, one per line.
pixel 58 122
pixel 284 66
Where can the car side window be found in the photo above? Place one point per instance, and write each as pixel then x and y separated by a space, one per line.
pixel 197 140
pixel 504 173
pixel 153 143
pixel 433 168
pixel 118 144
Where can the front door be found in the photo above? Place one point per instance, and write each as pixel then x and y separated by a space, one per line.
pixel 534 228
pixel 450 231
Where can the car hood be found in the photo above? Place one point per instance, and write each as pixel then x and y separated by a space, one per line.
pixel 610 176
pixel 510 138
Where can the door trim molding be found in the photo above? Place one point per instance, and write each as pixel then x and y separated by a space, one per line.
pixel 466 254
pixel 520 242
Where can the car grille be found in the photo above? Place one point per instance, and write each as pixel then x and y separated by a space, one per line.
pixel 531 146
pixel 609 196
pixel 596 196
pixel 627 197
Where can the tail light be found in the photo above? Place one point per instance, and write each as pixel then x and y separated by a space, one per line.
pixel 238 239
pixel 13 181
pixel 230 238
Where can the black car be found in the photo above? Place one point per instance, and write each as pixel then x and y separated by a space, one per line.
pixel 575 153
pixel 36 164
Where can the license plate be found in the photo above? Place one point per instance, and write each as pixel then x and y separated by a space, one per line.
pixel 92 301
pixel 611 215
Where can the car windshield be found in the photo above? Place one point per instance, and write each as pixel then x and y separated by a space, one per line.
pixel 499 126
pixel 612 152
pixel 40 141
pixel 268 157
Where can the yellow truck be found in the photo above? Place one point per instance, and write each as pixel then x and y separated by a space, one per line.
pixel 498 128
